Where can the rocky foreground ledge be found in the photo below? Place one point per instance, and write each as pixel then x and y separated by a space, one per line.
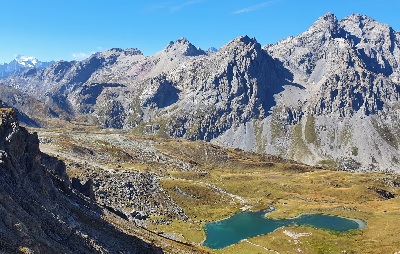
pixel 39 212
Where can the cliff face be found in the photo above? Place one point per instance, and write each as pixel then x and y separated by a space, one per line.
pixel 303 98
pixel 39 212
pixel 347 111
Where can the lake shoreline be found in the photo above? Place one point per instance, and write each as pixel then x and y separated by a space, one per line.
pixel 231 230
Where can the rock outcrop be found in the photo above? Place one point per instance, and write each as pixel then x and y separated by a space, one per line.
pixel 31 111
pixel 349 71
pixel 327 96
pixel 39 211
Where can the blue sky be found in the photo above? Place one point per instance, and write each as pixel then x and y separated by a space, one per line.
pixel 73 29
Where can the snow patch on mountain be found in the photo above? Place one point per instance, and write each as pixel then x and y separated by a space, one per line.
pixel 27 61
pixel 21 64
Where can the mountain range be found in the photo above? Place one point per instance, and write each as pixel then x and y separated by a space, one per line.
pixel 328 96
pixel 20 64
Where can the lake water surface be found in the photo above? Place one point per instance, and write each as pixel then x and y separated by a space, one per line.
pixel 240 226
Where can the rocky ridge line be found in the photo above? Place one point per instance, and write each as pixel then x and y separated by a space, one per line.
pixel 39 211
pixel 303 98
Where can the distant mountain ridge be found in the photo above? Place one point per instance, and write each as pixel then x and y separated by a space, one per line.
pixel 328 96
pixel 21 64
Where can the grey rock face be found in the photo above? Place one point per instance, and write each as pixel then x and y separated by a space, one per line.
pixel 349 72
pixel 30 109
pixel 57 85
pixel 184 47
pixel 378 45
pixel 304 98
pixel 39 212
pixel 229 87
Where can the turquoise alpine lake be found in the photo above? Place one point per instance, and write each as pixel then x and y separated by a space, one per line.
pixel 223 233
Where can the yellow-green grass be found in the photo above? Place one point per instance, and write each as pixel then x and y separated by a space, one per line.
pixel 199 201
pixel 291 193
pixel 134 166
pixel 74 172
pixel 313 241
pixel 184 231
pixel 262 181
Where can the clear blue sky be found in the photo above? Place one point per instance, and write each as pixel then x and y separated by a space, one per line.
pixel 72 29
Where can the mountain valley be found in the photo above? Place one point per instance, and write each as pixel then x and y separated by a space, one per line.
pixel 127 153
pixel 303 98
pixel 173 187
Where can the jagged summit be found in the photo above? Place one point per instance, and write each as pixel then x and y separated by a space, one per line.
pixel 363 26
pixel 240 44
pixel 182 40
pixel 183 47
pixel 377 44
pixel 324 28
pixel 246 96
pixel 128 51
pixel 244 39
pixel 359 19
pixel 328 17
pixel 327 22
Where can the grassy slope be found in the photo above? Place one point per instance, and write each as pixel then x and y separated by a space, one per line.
pixel 293 189
pixel 262 180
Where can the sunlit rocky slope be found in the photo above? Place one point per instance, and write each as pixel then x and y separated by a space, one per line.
pixel 328 96
pixel 109 191
pixel 43 211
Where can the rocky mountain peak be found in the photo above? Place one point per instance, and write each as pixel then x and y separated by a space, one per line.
pixel 20 64
pixel 358 18
pixel 27 61
pixel 361 25
pixel 246 39
pixel 241 46
pixel 183 40
pixel 183 47
pixel 328 17
pixel 243 40
pixel 377 44
pixel 334 70
pixel 133 51
pixel 128 51
pixel 325 27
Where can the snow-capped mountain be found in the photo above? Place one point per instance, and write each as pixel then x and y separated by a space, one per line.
pixel 27 61
pixel 20 64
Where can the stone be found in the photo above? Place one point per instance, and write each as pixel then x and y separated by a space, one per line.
pixel 40 212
